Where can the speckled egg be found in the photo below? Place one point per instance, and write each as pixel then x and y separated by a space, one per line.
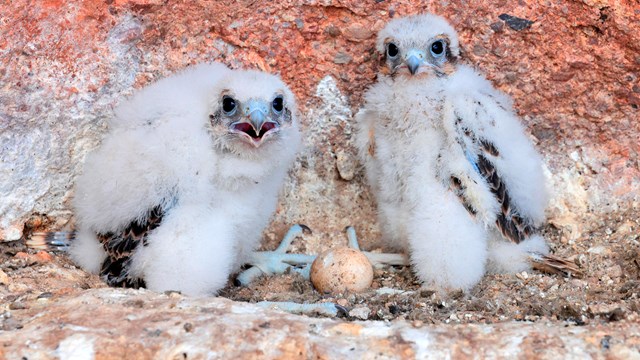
pixel 341 269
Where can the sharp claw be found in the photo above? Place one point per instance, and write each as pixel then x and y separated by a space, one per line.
pixel 305 229
pixel 352 237
pixel 278 261
pixel 342 311
pixel 376 259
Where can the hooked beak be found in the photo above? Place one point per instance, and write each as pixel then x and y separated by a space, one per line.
pixel 257 118
pixel 414 59
pixel 256 126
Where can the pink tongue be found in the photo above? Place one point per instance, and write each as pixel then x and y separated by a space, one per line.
pixel 248 129
pixel 244 127
pixel 267 126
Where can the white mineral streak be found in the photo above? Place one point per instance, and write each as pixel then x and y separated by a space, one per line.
pixel 76 347
pixel 216 327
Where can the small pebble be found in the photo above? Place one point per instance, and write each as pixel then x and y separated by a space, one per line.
pixel 4 278
pixel 598 250
pixel 346 165
pixel 18 306
pixel 626 228
pixel 43 257
pixel 188 327
pixel 21 255
pixel 45 295
pixel 342 58
pixel 615 271
pixel 361 313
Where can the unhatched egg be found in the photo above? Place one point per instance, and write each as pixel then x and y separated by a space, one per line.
pixel 341 269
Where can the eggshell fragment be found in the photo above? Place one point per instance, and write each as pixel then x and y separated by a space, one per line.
pixel 341 269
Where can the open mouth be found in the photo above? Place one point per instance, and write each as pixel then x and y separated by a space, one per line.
pixel 246 128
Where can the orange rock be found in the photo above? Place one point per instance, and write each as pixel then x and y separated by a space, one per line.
pixel 4 280
pixel 65 291
pixel 346 329
pixel 21 255
pixel 43 257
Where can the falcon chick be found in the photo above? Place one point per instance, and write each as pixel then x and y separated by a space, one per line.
pixel 457 182
pixel 179 192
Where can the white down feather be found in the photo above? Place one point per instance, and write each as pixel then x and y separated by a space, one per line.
pixel 160 150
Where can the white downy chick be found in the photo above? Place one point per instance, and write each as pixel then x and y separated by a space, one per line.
pixel 458 183
pixel 182 186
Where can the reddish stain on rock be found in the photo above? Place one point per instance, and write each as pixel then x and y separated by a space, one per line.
pixel 572 72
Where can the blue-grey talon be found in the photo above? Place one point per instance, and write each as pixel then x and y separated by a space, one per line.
pixel 294 231
pixel 326 309
pixel 376 259
pixel 305 272
pixel 352 237
pixel 278 261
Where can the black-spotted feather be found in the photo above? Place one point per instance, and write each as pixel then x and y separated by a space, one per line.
pixel 510 223
pixel 119 248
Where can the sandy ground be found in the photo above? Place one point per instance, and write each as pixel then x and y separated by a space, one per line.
pixel 607 251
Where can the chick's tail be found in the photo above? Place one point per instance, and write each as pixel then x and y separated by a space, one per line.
pixel 51 240
pixel 552 264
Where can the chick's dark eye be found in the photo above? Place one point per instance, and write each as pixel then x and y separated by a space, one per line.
pixel 437 48
pixel 392 50
pixel 278 104
pixel 228 104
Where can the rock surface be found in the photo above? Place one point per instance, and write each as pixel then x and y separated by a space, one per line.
pixel 119 324
pixel 572 68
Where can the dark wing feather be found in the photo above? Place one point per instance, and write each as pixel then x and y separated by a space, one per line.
pixel 119 247
pixel 510 223
pixel 458 188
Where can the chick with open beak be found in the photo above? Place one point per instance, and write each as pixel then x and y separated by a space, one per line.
pixel 257 119
pixel 248 118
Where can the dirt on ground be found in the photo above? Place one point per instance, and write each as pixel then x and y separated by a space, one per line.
pixel 607 251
